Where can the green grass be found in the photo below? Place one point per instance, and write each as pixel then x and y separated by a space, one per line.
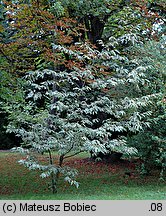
pixel 98 181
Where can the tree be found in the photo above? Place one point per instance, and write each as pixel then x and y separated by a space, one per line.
pixel 84 106
pixel 29 27
pixel 151 142
pixel 93 15
pixel 103 19
pixel 8 84
pixel 28 33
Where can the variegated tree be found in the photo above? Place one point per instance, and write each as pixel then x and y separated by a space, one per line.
pixel 82 108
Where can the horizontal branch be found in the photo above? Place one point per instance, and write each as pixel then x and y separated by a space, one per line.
pixel 73 154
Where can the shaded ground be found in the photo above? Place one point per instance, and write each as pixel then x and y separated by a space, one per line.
pixel 98 180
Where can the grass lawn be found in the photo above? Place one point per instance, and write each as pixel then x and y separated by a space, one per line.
pixel 98 181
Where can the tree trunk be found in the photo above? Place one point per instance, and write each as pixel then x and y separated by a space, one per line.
pixel 53 176
pixel 94 27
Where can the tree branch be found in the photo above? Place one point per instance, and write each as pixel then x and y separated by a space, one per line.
pixel 73 154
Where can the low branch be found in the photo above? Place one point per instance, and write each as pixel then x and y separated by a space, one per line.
pixel 73 154
pixel 69 150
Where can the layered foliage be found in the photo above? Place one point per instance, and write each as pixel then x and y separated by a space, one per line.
pixel 151 143
pixel 85 108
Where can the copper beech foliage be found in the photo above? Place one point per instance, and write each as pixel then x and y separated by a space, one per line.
pixel 34 30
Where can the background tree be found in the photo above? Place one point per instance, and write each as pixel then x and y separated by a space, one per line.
pixel 7 86
pixel 102 19
pixel 151 142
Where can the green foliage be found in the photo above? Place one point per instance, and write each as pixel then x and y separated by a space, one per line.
pixel 124 21
pixel 151 142
pixel 93 15
pixel 6 140
pixel 95 7
pixel 105 18
pixel 7 85
pixel 30 29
